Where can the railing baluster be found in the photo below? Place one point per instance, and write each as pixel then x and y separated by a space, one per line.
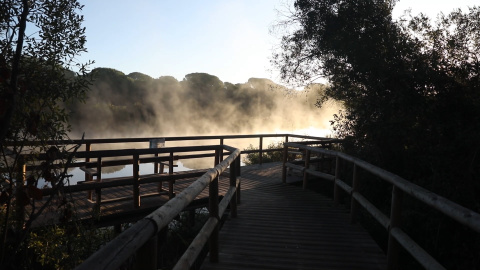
pixel 88 177
pixel 395 221
pixel 284 168
pixel 221 145
pixel 307 165
pixel 171 192
pixel 353 202
pixel 336 188
pixel 233 183
pixel 98 191
pixel 260 148
pixel 155 165
pixel 237 171
pixel 213 209
pixel 136 179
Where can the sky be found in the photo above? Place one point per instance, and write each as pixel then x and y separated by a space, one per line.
pixel 230 39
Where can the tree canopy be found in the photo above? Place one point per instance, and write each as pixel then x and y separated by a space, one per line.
pixel 39 78
pixel 411 87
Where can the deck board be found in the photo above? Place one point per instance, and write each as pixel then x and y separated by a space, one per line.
pixel 281 226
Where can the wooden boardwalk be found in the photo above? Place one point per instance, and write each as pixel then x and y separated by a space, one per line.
pixel 281 226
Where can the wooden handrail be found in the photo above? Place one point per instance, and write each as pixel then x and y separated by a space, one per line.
pixel 97 159
pixel 89 143
pixel 453 210
pixel 176 138
pixel 112 255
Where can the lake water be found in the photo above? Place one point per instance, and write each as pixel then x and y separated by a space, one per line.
pixel 127 170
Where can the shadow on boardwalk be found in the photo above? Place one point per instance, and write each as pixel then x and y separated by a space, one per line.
pixel 281 226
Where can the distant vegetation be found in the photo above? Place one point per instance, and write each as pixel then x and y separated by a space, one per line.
pixel 136 105
pixel 254 158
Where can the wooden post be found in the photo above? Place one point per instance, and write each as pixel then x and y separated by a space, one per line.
pixel 171 193
pixel 336 189
pixel 237 171
pixel 88 177
pixel 395 221
pixel 162 168
pixel 217 157
pixel 260 149
pixel 155 171
pixel 155 165
pixel 98 191
pixel 307 165
pixel 221 155
pixel 136 179
pixel 239 164
pixel 147 255
pixel 353 202
pixel 213 209
pixel 284 168
pixel 233 183
pixel 170 163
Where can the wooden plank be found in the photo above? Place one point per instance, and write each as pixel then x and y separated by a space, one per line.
pixel 280 226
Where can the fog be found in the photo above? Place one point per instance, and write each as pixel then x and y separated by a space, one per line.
pixel 136 105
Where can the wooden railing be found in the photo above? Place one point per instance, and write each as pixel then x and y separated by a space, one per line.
pixel 93 144
pixel 134 157
pixel 141 238
pixel 92 159
pixel 396 236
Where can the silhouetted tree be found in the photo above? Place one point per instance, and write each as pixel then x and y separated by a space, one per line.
pixel 36 85
pixel 410 89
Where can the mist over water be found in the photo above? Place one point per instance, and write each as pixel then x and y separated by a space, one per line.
pixel 136 105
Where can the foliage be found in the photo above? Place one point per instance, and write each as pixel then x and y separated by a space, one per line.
pixel 410 89
pixel 39 78
pixel 254 158
pixel 64 247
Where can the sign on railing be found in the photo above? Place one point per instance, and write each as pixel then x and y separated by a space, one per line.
pixel 157 143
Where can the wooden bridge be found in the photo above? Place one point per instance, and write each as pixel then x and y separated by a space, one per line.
pixel 277 225
pixel 282 226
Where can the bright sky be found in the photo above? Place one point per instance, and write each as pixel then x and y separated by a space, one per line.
pixel 226 38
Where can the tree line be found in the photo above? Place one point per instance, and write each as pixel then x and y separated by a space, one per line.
pixel 136 104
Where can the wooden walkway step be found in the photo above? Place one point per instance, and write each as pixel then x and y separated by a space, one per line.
pixel 281 226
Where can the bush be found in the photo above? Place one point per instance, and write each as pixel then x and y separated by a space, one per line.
pixel 254 158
